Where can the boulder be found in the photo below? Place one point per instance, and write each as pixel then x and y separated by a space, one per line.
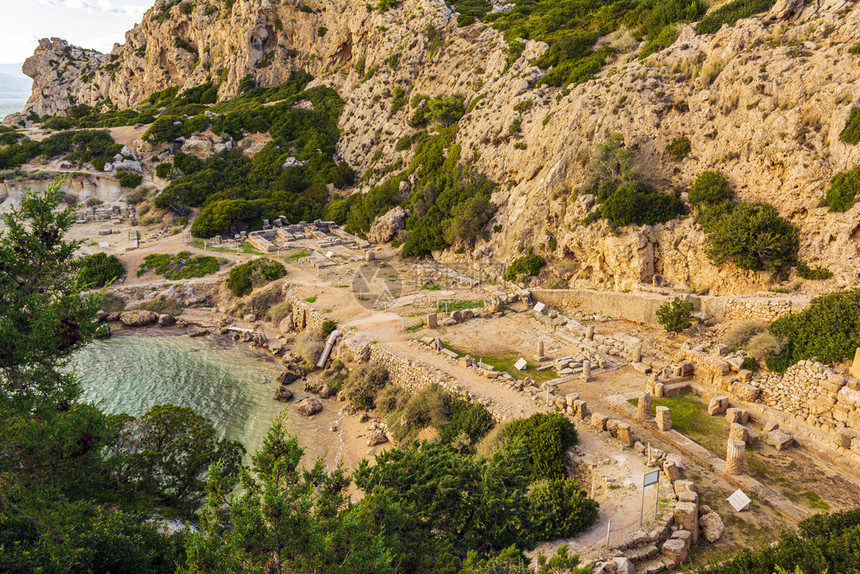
pixel 778 439
pixel 309 406
pixel 386 226
pixel 674 552
pixel 113 316
pixel 687 518
pixel 138 318
pixel 250 317
pixel 320 388
pixel 712 526
pixel 283 394
pixel 604 568
pixel 376 438
pixel 623 565
pixel 166 320
pixel 718 405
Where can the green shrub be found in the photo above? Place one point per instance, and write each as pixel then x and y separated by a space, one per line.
pixel 676 315
pixel 679 148
pixel 364 384
pixel 280 312
pixel 710 188
pixel 129 179
pixel 111 302
pixel 245 277
pixel 637 203
pixel 560 509
pixel 813 273
pixel 431 406
pixel 469 418
pixel 750 364
pixel 827 330
pixel 763 345
pixel 753 236
pixel 547 436
pixel 327 328
pixel 527 265
pixel 843 190
pixel 100 270
pixel 391 399
pixel 732 12
pixel 851 133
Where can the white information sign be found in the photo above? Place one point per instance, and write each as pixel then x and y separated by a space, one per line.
pixel 739 500
pixel 104 244
pixel 521 364
pixel 329 254
pixel 651 477
pixel 539 307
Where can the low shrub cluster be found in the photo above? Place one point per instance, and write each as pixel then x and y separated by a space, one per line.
pixel 822 543
pixel 623 197
pixel 560 509
pixel 680 148
pixel 309 346
pixel 675 315
pixel 247 276
pixel 527 265
pixel 547 436
pixel 78 147
pixel 99 270
pixel 843 190
pixel 851 133
pixel 827 330
pixel 732 12
pixel 183 265
pixel 129 179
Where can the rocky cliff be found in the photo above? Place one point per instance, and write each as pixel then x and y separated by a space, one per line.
pixel 763 101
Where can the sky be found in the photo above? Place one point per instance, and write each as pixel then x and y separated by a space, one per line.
pixel 95 24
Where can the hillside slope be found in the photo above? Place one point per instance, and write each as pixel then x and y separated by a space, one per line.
pixel 764 102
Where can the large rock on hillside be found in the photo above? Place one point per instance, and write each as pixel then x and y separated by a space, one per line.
pixel 138 318
pixel 386 226
pixel 712 526
pixel 309 406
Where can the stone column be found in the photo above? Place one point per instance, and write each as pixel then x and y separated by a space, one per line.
pixel 540 349
pixel 624 434
pixel 644 412
pixel 589 332
pixel 586 371
pixel 637 355
pixel 663 419
pixel 735 456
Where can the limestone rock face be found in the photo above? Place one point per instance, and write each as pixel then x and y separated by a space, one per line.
pixel 766 118
pixel 386 227
pixel 309 406
pixel 138 318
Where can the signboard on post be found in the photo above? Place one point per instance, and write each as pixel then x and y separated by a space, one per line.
pixel 539 307
pixel 649 478
pixel 521 364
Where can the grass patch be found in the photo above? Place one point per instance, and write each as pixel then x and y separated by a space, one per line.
pixel 815 501
pixel 183 265
pixel 416 327
pixel 431 287
pixel 505 363
pixel 310 299
pixel 296 254
pixel 449 306
pixel 690 417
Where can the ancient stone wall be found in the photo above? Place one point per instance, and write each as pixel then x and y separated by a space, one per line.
pixel 758 310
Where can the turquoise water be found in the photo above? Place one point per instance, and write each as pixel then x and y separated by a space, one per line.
pixel 221 381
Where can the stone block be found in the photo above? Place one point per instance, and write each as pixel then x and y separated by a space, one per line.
pixel 745 392
pixel 752 436
pixel 745 375
pixel 643 409
pixel 670 469
pixel 432 320
pixel 687 368
pixel 663 419
pixel 719 350
pixel 580 409
pixel 718 405
pixel 737 431
pixel 684 535
pixel 779 439
pixel 623 565
pixel 624 434
pixel 683 486
pixel 641 368
pixel 598 421
pixel 734 415
pixel 457 315
pixel 674 552
pixel 844 437
pixel 712 527
pixel 854 371
pixel 659 390
pixel 686 517
pixel 688 496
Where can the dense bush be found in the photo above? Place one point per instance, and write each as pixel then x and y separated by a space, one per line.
pixel 547 436
pixel 78 147
pixel 753 236
pixel 245 277
pixel 469 418
pixel 560 509
pixel 527 265
pixel 327 328
pixel 823 543
pixel 763 345
pixel 129 179
pixel 827 330
pixel 732 12
pixel 710 188
pixel 851 133
pixel 813 273
pixel 431 406
pixel 637 203
pixel 680 148
pixel 675 315
pixel 309 346
pixel 364 383
pixel 183 265
pixel 843 190
pixel 100 270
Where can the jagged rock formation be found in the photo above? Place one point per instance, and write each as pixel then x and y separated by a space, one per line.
pixel 763 102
